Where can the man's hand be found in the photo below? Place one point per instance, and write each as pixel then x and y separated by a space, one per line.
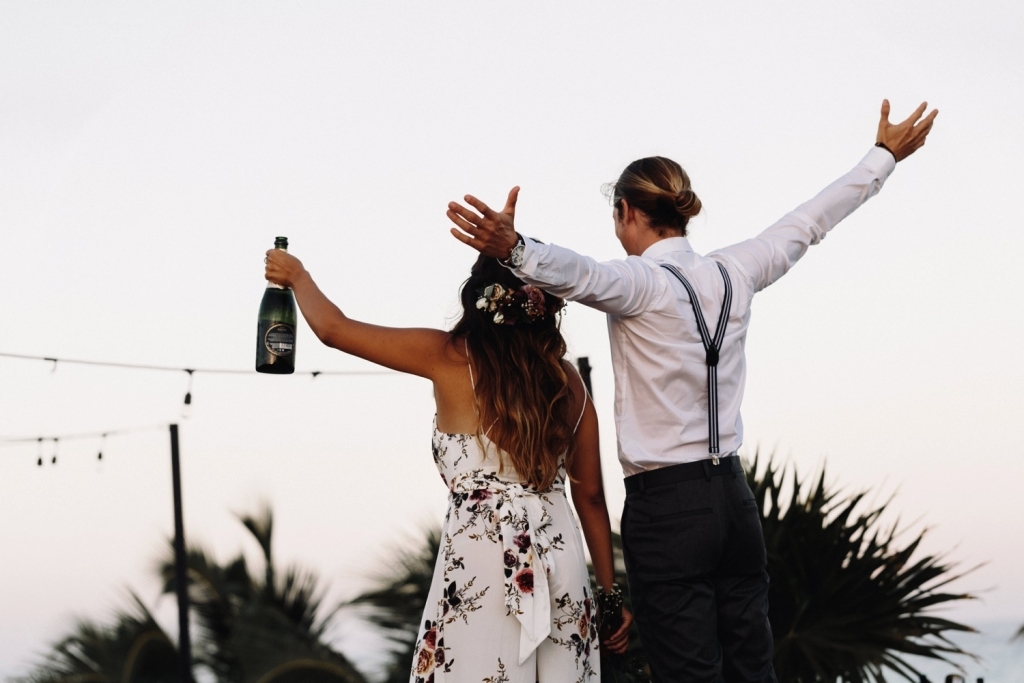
pixel 903 139
pixel 490 233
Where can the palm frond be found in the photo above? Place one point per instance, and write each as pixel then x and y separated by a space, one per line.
pixel 848 602
pixel 394 605
pixel 134 648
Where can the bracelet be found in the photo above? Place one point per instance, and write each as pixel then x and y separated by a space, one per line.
pixel 886 148
pixel 609 608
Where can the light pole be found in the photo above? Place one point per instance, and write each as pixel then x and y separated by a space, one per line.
pixel 180 567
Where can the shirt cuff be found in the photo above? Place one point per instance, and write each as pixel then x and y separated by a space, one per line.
pixel 531 258
pixel 879 161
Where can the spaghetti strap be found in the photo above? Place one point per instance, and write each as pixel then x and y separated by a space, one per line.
pixel 469 362
pixel 472 382
pixel 586 397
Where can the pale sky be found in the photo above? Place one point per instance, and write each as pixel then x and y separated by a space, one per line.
pixel 149 153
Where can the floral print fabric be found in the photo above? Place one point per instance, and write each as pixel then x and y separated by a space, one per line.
pixel 511 600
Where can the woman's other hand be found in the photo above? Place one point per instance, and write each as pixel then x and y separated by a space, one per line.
pixel 618 642
pixel 282 268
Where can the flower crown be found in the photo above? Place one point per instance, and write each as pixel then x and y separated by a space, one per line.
pixel 510 305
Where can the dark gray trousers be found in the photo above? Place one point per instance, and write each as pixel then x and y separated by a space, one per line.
pixel 695 562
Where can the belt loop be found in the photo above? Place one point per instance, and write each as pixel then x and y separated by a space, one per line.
pixel 640 478
pixel 707 470
pixel 737 467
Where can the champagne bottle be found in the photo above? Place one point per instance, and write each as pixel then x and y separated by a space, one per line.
pixel 275 338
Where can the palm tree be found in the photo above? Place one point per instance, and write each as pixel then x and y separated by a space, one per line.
pixel 394 604
pixel 253 629
pixel 134 650
pixel 848 601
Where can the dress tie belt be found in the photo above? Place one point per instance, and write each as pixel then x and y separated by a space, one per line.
pixel 522 524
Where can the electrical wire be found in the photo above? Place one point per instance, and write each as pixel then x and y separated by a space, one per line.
pixel 169 368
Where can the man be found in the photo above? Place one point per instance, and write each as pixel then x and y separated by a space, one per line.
pixel 695 554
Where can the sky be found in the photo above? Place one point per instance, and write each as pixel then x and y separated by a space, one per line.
pixel 150 153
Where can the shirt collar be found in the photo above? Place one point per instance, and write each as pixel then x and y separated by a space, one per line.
pixel 667 245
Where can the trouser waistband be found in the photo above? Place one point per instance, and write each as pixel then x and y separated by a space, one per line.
pixel 700 469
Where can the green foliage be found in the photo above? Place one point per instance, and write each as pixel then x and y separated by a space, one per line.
pixel 848 601
pixel 250 627
pixel 245 628
pixel 394 604
pixel 134 649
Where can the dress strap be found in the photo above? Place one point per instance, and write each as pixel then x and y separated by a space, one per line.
pixel 586 397
pixel 469 362
pixel 472 383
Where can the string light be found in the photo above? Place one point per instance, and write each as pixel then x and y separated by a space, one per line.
pixel 190 371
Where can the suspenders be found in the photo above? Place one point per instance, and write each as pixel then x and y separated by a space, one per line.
pixel 712 348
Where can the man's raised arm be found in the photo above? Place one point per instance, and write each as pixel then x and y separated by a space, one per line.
pixel 621 287
pixel 767 257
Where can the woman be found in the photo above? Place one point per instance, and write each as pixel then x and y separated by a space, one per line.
pixel 511 600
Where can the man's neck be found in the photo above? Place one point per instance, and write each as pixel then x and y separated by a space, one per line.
pixel 646 238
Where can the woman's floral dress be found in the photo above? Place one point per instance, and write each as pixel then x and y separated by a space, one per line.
pixel 511 600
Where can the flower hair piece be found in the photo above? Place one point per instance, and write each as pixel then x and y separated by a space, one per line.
pixel 511 305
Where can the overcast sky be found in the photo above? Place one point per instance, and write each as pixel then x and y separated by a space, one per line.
pixel 149 153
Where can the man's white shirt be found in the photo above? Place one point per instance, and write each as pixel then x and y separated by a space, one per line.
pixel 661 393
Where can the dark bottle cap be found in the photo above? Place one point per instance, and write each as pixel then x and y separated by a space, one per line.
pixel 281 243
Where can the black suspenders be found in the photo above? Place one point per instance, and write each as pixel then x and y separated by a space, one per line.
pixel 712 348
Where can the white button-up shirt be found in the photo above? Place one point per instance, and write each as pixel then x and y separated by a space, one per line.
pixel 661 393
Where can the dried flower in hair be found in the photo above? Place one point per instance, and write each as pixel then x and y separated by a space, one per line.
pixel 512 305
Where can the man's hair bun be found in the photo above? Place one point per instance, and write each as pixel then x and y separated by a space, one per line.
pixel 687 203
pixel 660 188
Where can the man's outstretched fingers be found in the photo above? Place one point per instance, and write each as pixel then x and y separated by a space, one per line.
pixel 510 203
pixel 485 210
pixel 464 238
pixel 912 119
pixel 462 222
pixel 885 111
pixel 464 213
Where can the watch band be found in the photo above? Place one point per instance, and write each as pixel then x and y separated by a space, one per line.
pixel 515 257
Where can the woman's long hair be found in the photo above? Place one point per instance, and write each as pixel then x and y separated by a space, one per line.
pixel 521 383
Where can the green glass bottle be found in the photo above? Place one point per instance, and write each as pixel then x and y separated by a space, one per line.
pixel 275 338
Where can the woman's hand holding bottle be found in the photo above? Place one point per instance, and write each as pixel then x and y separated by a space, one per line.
pixel 283 269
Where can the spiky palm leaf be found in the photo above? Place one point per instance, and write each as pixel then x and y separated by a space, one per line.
pixel 394 605
pixel 247 626
pixel 847 601
pixel 133 650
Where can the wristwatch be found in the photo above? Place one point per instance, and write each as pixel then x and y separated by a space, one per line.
pixel 515 258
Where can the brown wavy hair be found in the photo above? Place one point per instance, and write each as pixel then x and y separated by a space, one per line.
pixel 521 382
pixel 661 189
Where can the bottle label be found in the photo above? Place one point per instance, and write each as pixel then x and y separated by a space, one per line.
pixel 280 340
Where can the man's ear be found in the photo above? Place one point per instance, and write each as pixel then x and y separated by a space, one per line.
pixel 625 211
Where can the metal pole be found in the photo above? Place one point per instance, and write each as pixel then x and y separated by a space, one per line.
pixel 180 567
pixel 583 363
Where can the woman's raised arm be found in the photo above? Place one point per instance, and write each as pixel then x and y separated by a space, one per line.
pixel 418 351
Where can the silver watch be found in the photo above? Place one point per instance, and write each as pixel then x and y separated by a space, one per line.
pixel 515 258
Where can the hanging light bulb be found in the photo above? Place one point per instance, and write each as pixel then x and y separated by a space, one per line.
pixel 186 409
pixel 39 452
pixel 56 443
pixel 99 456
